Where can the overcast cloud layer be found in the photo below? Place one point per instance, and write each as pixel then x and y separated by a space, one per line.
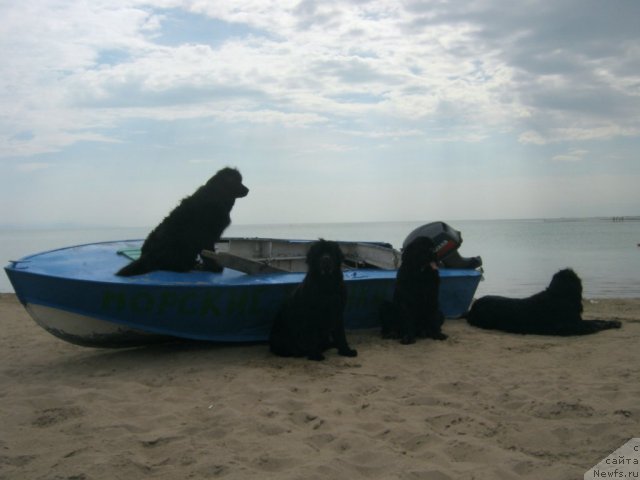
pixel 111 111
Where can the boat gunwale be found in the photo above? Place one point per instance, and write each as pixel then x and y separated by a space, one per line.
pixel 182 278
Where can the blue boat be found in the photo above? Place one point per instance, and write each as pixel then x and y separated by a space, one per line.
pixel 75 295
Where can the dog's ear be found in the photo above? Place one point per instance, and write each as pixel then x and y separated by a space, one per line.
pixel 419 246
pixel 312 252
pixel 239 190
pixel 235 182
pixel 566 283
pixel 338 253
pixel 323 247
pixel 230 181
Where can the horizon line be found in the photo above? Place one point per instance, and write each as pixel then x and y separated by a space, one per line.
pixel 77 226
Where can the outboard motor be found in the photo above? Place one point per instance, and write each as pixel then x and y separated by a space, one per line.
pixel 447 241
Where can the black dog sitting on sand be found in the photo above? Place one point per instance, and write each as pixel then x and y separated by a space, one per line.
pixel 415 308
pixel 195 224
pixel 311 319
pixel 555 311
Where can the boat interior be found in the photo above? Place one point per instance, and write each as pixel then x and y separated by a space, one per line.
pixel 264 255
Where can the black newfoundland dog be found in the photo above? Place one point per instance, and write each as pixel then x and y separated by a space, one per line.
pixel 554 311
pixel 311 319
pixel 415 308
pixel 195 224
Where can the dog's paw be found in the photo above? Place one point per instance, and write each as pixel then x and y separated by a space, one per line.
pixel 606 324
pixel 407 340
pixel 316 357
pixel 390 335
pixel 349 352
pixel 439 336
pixel 210 265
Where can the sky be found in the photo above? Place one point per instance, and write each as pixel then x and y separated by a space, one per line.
pixel 111 111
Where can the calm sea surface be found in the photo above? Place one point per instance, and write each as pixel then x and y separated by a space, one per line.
pixel 519 256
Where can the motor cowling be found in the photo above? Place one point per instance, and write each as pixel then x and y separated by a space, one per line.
pixel 447 241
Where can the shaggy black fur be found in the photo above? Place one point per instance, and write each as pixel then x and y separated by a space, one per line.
pixel 555 311
pixel 415 309
pixel 311 319
pixel 195 224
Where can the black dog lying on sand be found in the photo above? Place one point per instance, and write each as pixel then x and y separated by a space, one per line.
pixel 415 309
pixel 554 311
pixel 311 319
pixel 195 224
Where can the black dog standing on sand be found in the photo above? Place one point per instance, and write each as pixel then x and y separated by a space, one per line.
pixel 555 311
pixel 311 319
pixel 195 224
pixel 415 309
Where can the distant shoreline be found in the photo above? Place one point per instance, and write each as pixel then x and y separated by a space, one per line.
pixel 72 226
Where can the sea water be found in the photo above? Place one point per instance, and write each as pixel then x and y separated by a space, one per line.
pixel 519 256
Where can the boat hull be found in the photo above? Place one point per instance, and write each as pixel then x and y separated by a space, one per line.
pixel 88 331
pixel 74 294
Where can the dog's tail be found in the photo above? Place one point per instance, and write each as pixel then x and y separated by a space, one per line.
pixel 137 267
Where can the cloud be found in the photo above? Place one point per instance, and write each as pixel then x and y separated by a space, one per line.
pixel 546 72
pixel 574 155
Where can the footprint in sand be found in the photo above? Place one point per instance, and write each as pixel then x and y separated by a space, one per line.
pixel 53 416
pixel 320 440
pixel 561 410
pixel 304 418
pixel 16 461
pixel 160 441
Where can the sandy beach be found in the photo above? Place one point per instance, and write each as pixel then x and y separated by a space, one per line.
pixel 481 405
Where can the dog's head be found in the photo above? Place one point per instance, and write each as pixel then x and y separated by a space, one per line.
pixel 420 254
pixel 567 284
pixel 229 182
pixel 325 258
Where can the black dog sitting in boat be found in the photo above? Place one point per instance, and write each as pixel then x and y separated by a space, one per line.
pixel 555 311
pixel 311 319
pixel 195 224
pixel 415 308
